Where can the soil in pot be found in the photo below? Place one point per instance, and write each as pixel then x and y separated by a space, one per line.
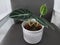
pixel 33 26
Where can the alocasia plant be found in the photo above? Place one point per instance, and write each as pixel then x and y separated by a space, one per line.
pixel 24 14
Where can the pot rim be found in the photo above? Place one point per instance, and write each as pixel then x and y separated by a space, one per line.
pixel 24 22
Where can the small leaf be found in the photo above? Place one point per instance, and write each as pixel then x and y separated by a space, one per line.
pixel 43 10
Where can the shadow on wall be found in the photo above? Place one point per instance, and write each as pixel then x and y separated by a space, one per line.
pixel 34 5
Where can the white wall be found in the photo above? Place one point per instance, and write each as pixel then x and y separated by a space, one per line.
pixel 57 5
pixel 5 28
pixel 56 13
pixel 5 8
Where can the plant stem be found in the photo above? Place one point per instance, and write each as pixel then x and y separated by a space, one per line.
pixel 40 16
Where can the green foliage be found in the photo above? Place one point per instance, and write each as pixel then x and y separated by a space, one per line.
pixel 43 10
pixel 24 14
pixel 44 22
pixel 21 14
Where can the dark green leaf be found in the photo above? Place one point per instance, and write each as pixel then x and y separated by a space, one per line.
pixel 48 24
pixel 21 14
pixel 45 22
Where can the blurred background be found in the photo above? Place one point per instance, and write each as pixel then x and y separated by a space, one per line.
pixel 6 6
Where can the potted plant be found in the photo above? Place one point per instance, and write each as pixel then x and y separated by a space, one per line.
pixel 32 25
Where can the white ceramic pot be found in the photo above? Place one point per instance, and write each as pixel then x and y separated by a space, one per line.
pixel 32 37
